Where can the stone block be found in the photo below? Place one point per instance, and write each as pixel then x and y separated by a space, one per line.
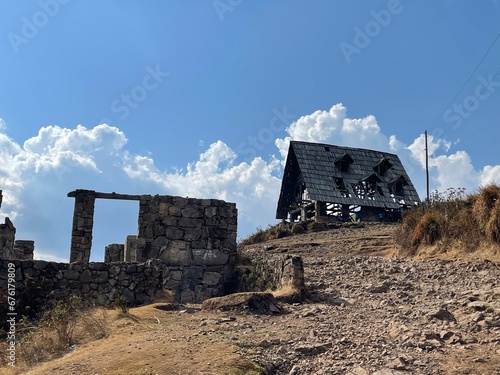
pixel 210 212
pixel 192 212
pixel 175 211
pixel 204 257
pixel 170 221
pixel 158 230
pixel 101 277
pixel 164 207
pixel 192 234
pixel 193 273
pixel 176 254
pixel 226 211
pixel 190 223
pixel 85 277
pixel 202 293
pixel 187 296
pixel 211 278
pixel 71 275
pixel 175 233
pixel 179 201
pixel 218 233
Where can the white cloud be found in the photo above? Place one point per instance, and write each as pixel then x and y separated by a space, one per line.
pixel 333 126
pixel 37 175
pixel 3 125
pixel 489 175
pixel 253 186
pixel 451 170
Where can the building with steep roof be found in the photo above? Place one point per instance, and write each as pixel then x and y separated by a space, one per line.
pixel 326 183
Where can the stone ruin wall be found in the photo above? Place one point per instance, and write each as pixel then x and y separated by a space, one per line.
pixel 97 283
pixel 184 245
pixel 9 247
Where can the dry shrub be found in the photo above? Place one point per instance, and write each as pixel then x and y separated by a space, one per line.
pixel 66 323
pixel 289 294
pixel 493 224
pixel 278 231
pixel 403 234
pixel 314 226
pixel 257 237
pixel 271 233
pixel 298 228
pixel 428 230
pixel 463 227
pixel 485 201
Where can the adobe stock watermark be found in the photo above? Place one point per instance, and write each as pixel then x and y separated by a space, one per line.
pixel 221 7
pixel 483 91
pixel 31 25
pixel 249 148
pixel 131 100
pixel 364 35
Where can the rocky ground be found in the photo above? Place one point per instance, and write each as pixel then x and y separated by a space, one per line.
pixel 380 315
pixel 367 313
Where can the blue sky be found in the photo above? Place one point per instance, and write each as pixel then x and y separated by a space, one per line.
pixel 200 98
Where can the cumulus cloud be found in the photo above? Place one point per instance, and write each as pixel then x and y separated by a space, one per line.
pixel 451 170
pixel 37 174
pixel 333 126
pixel 253 186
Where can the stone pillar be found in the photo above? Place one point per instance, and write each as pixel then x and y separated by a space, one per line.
pixel 7 237
pixel 83 222
pixel 130 250
pixel 24 249
pixel 113 253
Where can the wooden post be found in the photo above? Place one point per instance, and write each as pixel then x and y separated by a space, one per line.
pixel 427 167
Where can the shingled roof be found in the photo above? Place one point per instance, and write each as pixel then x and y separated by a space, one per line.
pixel 320 166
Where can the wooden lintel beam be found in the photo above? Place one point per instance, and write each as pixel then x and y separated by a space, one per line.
pixel 123 197
pixel 96 194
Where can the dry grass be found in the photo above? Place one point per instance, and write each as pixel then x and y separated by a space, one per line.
pixel 484 203
pixel 289 294
pixel 44 342
pixel 493 225
pixel 453 224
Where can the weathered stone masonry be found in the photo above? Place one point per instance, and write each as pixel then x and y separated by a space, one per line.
pixel 194 238
pixel 97 283
pixel 9 247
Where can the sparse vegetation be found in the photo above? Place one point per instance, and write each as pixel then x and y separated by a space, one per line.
pixel 452 221
pixel 63 324
pixel 284 229
pixel 120 304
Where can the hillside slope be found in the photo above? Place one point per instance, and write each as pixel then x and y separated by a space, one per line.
pixel 368 313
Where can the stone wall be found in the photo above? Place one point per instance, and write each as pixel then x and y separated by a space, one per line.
pixel 186 231
pixel 83 223
pixel 7 237
pixel 130 249
pixel 114 253
pixel 24 249
pixel 103 283
pixel 97 283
